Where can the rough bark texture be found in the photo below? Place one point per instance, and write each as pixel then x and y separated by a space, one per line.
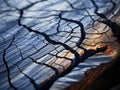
pixel 104 77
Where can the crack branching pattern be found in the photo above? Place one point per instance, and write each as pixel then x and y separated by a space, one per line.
pixel 42 40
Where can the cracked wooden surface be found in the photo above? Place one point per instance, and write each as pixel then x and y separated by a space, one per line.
pixel 43 40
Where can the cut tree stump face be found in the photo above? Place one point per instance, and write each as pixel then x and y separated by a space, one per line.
pixel 44 40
